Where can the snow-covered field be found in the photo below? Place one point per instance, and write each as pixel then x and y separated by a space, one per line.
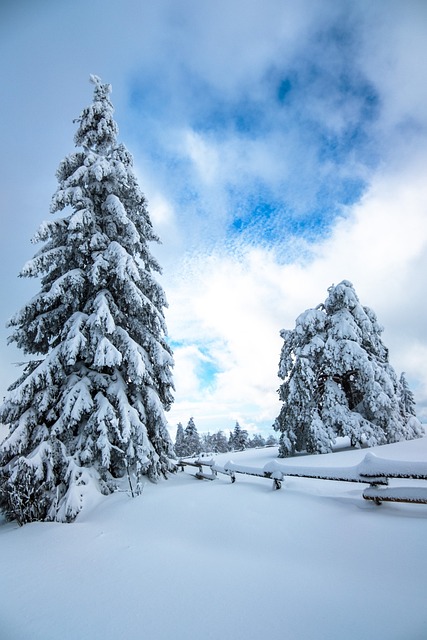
pixel 197 559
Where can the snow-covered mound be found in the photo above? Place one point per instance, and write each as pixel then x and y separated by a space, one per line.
pixel 195 559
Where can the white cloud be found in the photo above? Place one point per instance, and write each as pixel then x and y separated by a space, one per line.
pixel 392 57
pixel 241 303
pixel 203 155
pixel 191 58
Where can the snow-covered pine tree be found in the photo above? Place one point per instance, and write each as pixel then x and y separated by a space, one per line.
pixel 89 407
pixel 230 441
pixel 239 438
pixel 206 442
pixel 271 441
pixel 257 441
pixel 406 397
pixel 407 409
pixel 192 440
pixel 219 442
pixel 179 447
pixel 338 380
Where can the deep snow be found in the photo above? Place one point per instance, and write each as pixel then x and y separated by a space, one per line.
pixel 199 559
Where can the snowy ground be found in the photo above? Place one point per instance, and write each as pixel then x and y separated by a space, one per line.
pixel 198 559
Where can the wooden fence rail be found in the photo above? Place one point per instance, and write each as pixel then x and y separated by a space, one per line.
pixel 372 470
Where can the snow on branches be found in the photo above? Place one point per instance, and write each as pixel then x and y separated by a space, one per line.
pixel 337 380
pixel 90 408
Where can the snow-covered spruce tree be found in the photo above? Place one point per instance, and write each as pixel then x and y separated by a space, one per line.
pixel 180 441
pixel 271 441
pixel 257 441
pixel 406 397
pixel 338 380
pixel 192 439
pixel 407 409
pixel 206 442
pixel 89 407
pixel 219 442
pixel 239 438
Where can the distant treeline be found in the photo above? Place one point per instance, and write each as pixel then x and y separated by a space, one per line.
pixel 189 442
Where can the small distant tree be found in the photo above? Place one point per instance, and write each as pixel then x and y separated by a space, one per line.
pixel 206 440
pixel 257 441
pixel 271 441
pixel 192 440
pixel 406 397
pixel 219 442
pixel 89 407
pixel 337 379
pixel 230 443
pixel 407 409
pixel 239 438
pixel 179 447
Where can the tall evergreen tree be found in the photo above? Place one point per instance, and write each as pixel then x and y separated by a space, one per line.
pixel 239 438
pixel 180 448
pixel 407 409
pixel 257 441
pixel 338 380
pixel 206 442
pixel 271 441
pixel 219 442
pixel 89 407
pixel 192 439
pixel 406 397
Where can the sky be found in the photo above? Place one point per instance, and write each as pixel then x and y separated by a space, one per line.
pixel 282 147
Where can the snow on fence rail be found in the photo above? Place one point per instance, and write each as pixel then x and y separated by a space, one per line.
pixel 371 470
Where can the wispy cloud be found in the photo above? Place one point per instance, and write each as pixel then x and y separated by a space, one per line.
pixel 236 305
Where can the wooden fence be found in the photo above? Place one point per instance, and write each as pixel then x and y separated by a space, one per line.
pixel 372 470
